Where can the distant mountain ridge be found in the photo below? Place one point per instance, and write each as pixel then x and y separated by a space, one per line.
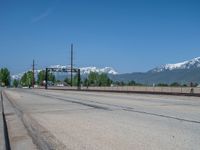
pixel 189 64
pixel 183 72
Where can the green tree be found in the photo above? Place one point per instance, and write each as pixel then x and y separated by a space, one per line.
pixel 15 83
pixel 41 77
pixel 23 79
pixel 4 77
pixel 162 84
pixel 93 78
pixel 66 80
pixel 96 79
pixel 27 78
pixel 103 80
pixel 51 77
pixel 75 80
pixel 131 83
pixel 86 82
pixel 175 84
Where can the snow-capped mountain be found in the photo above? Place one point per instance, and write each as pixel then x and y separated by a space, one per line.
pixel 84 70
pixel 18 76
pixel 87 70
pixel 107 70
pixel 190 64
pixel 183 73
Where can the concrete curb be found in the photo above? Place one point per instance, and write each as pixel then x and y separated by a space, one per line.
pixel 2 136
pixel 18 135
pixel 39 135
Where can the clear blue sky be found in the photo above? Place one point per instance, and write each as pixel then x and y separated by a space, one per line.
pixel 128 35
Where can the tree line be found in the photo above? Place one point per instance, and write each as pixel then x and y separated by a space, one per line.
pixel 5 78
pixel 93 79
pixel 27 79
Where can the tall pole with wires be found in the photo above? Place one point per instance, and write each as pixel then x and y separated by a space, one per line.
pixel 33 71
pixel 71 64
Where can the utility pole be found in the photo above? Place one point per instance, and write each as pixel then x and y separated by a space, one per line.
pixel 71 63
pixel 33 81
pixel 46 79
pixel 79 79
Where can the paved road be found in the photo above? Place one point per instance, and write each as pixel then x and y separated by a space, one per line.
pixel 108 121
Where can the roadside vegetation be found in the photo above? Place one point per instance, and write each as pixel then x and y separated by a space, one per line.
pixel 5 78
pixel 41 77
pixel 93 79
pixel 96 79
pixel 26 79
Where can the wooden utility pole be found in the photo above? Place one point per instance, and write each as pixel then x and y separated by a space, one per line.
pixel 71 64
pixel 33 81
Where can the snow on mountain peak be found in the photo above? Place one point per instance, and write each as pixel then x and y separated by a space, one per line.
pixel 193 63
pixel 108 70
pixel 87 70
pixel 84 70
pixel 58 66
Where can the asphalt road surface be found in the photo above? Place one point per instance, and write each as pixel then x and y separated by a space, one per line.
pixel 108 121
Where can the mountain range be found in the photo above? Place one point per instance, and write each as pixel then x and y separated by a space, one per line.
pixel 182 72
pixel 84 71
